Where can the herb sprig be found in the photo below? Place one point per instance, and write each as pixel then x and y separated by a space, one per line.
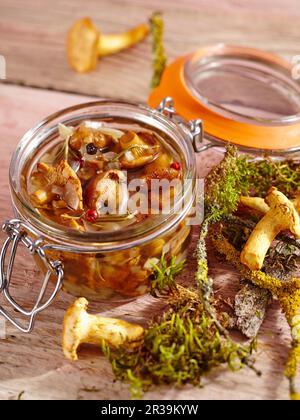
pixel 164 275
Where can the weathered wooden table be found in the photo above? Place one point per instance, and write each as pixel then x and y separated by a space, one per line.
pixel 32 39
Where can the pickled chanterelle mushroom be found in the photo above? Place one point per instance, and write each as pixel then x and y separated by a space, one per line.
pixel 83 183
pixel 137 150
pixel 85 178
pixel 108 187
pixel 58 182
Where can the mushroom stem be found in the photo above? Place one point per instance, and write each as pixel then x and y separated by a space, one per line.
pixel 260 240
pixel 80 327
pixel 113 43
pixel 281 216
pixel 114 332
pixel 85 43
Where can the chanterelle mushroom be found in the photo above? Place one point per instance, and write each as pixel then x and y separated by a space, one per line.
pixel 61 180
pixel 85 43
pixel 281 216
pixel 80 327
pixel 84 135
pixel 108 192
pixel 138 149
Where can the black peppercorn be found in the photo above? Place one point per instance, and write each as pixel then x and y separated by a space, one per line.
pixel 91 149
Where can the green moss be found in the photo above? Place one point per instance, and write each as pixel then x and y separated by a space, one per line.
pixel 258 176
pixel 164 275
pixel 223 187
pixel 236 175
pixel 180 346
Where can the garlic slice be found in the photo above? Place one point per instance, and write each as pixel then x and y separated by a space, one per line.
pixel 96 125
pixel 65 132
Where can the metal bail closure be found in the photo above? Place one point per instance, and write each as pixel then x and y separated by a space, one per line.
pixel 194 127
pixel 166 107
pixel 196 130
pixel 17 232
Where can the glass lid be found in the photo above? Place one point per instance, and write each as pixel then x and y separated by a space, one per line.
pixel 245 87
pixel 243 95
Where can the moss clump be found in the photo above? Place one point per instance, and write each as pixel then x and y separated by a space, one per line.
pixel 164 275
pixel 223 187
pixel 258 176
pixel 179 347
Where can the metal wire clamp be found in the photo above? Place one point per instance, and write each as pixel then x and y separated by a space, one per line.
pixel 193 127
pixel 19 232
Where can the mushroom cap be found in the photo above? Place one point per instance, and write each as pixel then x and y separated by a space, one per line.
pixel 65 179
pixel 82 45
pixel 75 328
pixel 140 149
pixel 109 187
pixel 281 216
pixel 287 214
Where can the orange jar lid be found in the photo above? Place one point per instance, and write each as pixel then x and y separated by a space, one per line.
pixel 243 95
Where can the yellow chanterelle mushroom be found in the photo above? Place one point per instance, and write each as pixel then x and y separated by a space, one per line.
pixel 281 216
pixel 85 43
pixel 79 327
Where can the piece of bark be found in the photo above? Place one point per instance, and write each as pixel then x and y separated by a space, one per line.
pixel 251 302
pixel 250 308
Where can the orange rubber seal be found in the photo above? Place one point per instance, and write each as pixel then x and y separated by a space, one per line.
pixel 279 137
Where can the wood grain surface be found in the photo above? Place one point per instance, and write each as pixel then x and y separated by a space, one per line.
pixel 32 39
